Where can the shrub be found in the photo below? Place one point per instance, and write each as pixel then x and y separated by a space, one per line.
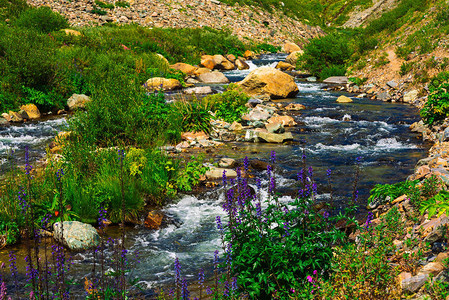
pixel 194 115
pixel 381 192
pixel 121 4
pixel 97 11
pixel 42 19
pixel 12 8
pixel 104 4
pixel 229 105
pixel 264 47
pixel 436 108
pixel 326 56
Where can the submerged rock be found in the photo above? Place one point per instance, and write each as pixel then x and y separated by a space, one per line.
pixel 153 220
pixel 77 236
pixel 274 137
pixel 336 80
pixel 344 99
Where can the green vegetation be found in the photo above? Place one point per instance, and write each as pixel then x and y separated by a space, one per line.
pixel 326 56
pixel 381 192
pixel 104 5
pixel 230 105
pixel 42 19
pixel 436 108
pixel 121 4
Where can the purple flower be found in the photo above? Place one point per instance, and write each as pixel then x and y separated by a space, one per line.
pixel 272 185
pixel 201 278
pixel 258 210
pixel 121 155
pixel 177 271
pixel 224 178
pixel 185 291
pixel 219 224
pixel 269 169
pixel 59 174
pixel 246 164
pixel 286 229
pixel 369 218
pixel 234 284
pixel 273 156
pixel 258 184
pixel 328 172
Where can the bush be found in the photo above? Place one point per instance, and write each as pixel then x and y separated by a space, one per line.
pixel 104 4
pixel 12 8
pixel 229 105
pixel 194 115
pixel 436 108
pixel 121 4
pixel 381 192
pixel 326 56
pixel 42 19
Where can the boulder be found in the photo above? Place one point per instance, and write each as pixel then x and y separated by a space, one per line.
pixel 241 64
pixel 275 127
pixel 290 47
pixel 221 63
pixel 283 66
pixel 292 58
pixel 392 84
pixel 410 96
pixel 217 173
pixel 23 114
pixel 77 101
pixel 164 84
pixel 257 114
pixel 344 99
pixel 200 71
pixel 184 68
pixel 274 137
pixel 270 81
pixel 286 121
pixel 295 106
pixel 259 165
pixel 384 96
pixel 236 126
pixel 6 116
pixel 231 57
pixel 207 61
pixel 213 77
pixel 340 80
pixel 249 54
pixel 153 220
pixel 433 268
pixel 76 235
pixel 15 117
pixel 72 32
pixel 226 163
pixel 198 90
pixel 32 111
pixel 3 121
pixel 413 284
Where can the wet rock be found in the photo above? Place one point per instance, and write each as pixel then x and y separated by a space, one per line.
pixel 226 163
pixel 434 229
pixel 343 99
pixel 241 65
pixel 164 84
pixel 3 121
pixel 295 106
pixel 15 117
pixel 217 173
pixel 283 66
pixel 275 127
pixel 274 137
pixel 254 102
pixel 221 63
pixel 32 111
pixel 75 235
pixel 287 121
pixel 249 54
pixel 257 114
pixel 231 57
pixel 251 136
pixel 384 96
pixel 200 71
pixel 77 101
pixel 311 79
pixel 340 80
pixel 270 81
pixel 198 90
pixel 290 47
pixel 292 58
pixel 258 165
pixel 153 220
pixel 418 127
pixel 213 77
pixel 6 117
pixel 185 68
pixel 413 284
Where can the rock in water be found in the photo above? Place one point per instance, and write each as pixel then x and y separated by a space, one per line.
pixel 77 236
pixel 290 47
pixel 292 58
pixel 77 101
pixel 274 137
pixel 213 77
pixel 344 99
pixel 269 81
pixel 32 111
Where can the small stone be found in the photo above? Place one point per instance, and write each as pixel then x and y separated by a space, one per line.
pixel 384 96
pixel 198 90
pixel 392 84
pixel 433 268
pixel 275 127
pixel 413 284
pixel 295 106
pixel 343 99
pixel 286 121
pixel 217 173
pixel 77 101
pixel 274 137
pixel 153 220
pixel 236 126
pixel 410 96
pixel 338 80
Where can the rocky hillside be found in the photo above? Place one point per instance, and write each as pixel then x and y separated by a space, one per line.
pixel 247 22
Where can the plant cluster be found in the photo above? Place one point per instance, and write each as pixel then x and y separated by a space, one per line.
pixel 383 193
pixel 229 105
pixel 436 108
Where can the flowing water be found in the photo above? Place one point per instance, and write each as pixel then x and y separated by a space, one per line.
pixel 330 135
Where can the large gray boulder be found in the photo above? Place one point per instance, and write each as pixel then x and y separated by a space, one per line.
pixel 77 236
pixel 336 80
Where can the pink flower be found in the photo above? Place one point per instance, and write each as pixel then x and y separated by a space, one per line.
pixel 314 272
pixel 309 278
